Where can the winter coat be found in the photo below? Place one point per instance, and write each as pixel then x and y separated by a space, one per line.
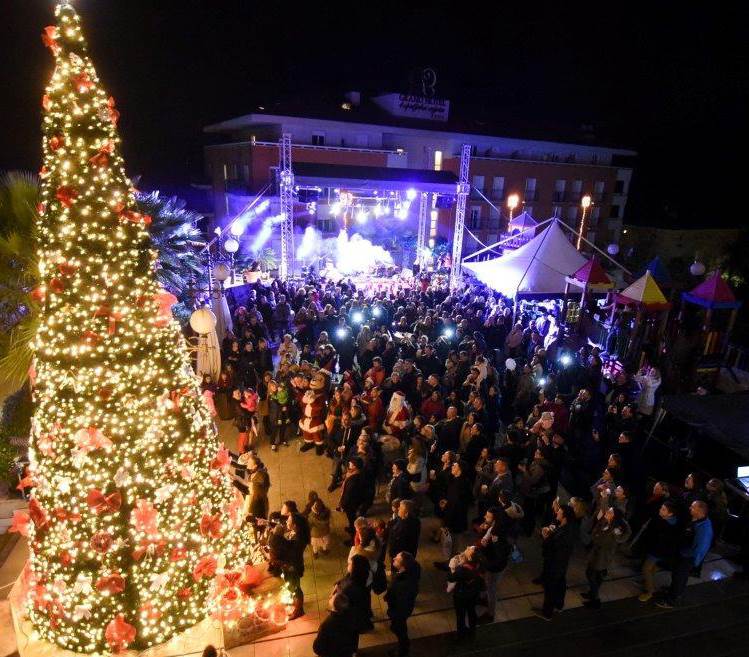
pixel 605 541
pixel 259 485
pixel 399 488
pixel 661 538
pixel 359 601
pixel 557 551
pixel 459 498
pixel 402 592
pixel 319 523
pixel 404 535
pixel 337 635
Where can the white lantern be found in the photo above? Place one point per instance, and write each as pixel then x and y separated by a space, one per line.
pixel 612 249
pixel 203 321
pixel 697 268
pixel 221 272
pixel 231 245
pixel 510 364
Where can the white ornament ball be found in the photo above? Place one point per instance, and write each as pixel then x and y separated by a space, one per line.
pixel 510 364
pixel 697 268
pixel 231 245
pixel 612 249
pixel 203 321
pixel 221 271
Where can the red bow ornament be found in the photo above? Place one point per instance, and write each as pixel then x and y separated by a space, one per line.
pixel 56 142
pixel 145 517
pixel 20 523
pixel 66 195
pixel 114 115
pixel 64 514
pixel 221 462
pixel 119 634
pixel 205 567
pixel 113 584
pixel 100 160
pixel 38 514
pixel 83 82
pixel 49 39
pixel 57 286
pixel 91 439
pixel 100 503
pixel 101 542
pixel 211 525
pixel 26 482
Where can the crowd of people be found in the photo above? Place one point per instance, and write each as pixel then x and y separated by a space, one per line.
pixel 500 426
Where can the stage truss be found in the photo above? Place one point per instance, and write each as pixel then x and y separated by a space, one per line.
pixel 286 194
pixel 460 218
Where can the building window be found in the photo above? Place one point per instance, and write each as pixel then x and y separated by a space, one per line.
pixel 438 160
pixel 233 172
pixel 595 214
pixel 530 189
pixel 614 212
pixel 572 213
pixel 318 139
pixel 556 211
pixel 246 173
pixel 498 188
pixel 474 217
pixel 577 191
pixel 362 140
pixel 559 190
pixel 478 182
pixel 619 187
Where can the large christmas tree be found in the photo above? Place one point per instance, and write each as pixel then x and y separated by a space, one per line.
pixel 132 509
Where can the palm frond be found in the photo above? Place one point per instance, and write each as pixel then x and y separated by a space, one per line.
pixel 17 350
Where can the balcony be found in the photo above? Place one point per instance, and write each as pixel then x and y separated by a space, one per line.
pixel 530 195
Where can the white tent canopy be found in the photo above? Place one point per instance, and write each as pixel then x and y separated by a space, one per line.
pixel 538 267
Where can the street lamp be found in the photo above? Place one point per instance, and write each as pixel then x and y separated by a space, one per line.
pixel 513 201
pixel 585 202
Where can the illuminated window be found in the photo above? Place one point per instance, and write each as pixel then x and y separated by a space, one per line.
pixel 438 160
pixel 433 223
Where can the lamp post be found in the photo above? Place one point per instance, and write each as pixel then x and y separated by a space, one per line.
pixel 513 201
pixel 585 201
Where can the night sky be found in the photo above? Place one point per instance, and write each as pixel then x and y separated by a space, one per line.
pixel 669 82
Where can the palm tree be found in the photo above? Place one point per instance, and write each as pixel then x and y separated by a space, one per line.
pixel 174 235
pixel 18 270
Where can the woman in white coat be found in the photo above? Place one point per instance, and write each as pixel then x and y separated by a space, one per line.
pixel 650 381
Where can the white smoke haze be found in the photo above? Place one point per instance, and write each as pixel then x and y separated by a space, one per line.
pixel 350 255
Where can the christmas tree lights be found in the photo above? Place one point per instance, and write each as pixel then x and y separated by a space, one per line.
pixel 132 513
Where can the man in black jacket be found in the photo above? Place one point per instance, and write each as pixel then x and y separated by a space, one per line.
pixel 405 531
pixel 353 493
pixel 340 444
pixel 495 551
pixel 337 635
pixel 448 432
pixel 399 487
pixel 401 598
pixel 559 541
